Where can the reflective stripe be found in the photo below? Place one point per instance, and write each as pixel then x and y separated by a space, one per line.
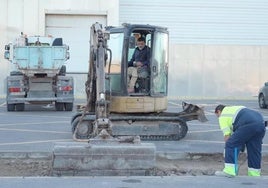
pixel 233 112
pixel 237 111
pixel 229 168
pixel 226 131
pixel 254 172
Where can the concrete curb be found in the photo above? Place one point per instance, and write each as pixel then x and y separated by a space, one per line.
pixel 49 155
pixel 25 155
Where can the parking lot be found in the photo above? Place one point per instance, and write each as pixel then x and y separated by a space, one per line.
pixel 38 128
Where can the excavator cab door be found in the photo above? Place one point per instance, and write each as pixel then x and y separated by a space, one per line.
pixel 159 64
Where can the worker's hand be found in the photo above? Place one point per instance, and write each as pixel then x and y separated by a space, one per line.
pixel 139 64
pixel 226 137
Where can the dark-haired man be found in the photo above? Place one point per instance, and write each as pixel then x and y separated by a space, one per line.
pixel 241 127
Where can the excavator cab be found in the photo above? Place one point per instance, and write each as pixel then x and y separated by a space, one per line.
pixel 151 91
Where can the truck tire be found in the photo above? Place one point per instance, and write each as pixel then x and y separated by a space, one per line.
pixel 20 107
pixel 59 106
pixel 10 107
pixel 68 106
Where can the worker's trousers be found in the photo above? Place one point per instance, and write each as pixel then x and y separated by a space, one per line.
pixel 134 73
pixel 132 76
pixel 249 130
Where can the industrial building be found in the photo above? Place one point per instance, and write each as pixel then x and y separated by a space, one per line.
pixel 218 48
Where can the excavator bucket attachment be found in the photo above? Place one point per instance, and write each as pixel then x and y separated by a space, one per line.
pixel 192 112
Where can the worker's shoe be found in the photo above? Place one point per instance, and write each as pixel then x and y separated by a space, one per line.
pixel 223 174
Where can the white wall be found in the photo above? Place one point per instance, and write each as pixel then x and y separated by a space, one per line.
pixel 218 47
pixel 217 71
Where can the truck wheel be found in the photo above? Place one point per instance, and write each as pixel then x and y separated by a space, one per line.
pixel 10 107
pixel 59 106
pixel 20 107
pixel 68 106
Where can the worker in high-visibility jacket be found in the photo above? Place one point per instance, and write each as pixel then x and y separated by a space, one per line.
pixel 241 127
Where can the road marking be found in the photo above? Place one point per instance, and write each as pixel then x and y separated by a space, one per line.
pixel 23 114
pixel 33 123
pixel 201 124
pixel 198 104
pixel 216 130
pixel 208 141
pixel 211 141
pixel 173 103
pixel 210 113
pixel 35 142
pixel 3 104
pixel 35 131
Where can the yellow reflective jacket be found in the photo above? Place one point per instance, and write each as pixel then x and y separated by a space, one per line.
pixel 227 118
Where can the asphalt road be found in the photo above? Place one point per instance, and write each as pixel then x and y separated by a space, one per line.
pixel 134 182
pixel 38 128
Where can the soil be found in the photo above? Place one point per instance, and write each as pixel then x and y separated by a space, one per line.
pixel 195 165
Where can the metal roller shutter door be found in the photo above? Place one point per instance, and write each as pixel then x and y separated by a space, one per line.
pixel 75 30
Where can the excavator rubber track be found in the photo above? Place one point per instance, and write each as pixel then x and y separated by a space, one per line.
pixel 147 127
pixel 152 127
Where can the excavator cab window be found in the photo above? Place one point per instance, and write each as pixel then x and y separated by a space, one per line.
pixel 159 65
pixel 115 43
pixel 155 84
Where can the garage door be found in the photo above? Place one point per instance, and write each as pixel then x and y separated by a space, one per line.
pixel 75 31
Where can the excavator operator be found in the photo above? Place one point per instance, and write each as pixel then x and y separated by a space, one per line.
pixel 138 66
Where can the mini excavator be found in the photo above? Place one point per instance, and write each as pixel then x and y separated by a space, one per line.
pixel 110 107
